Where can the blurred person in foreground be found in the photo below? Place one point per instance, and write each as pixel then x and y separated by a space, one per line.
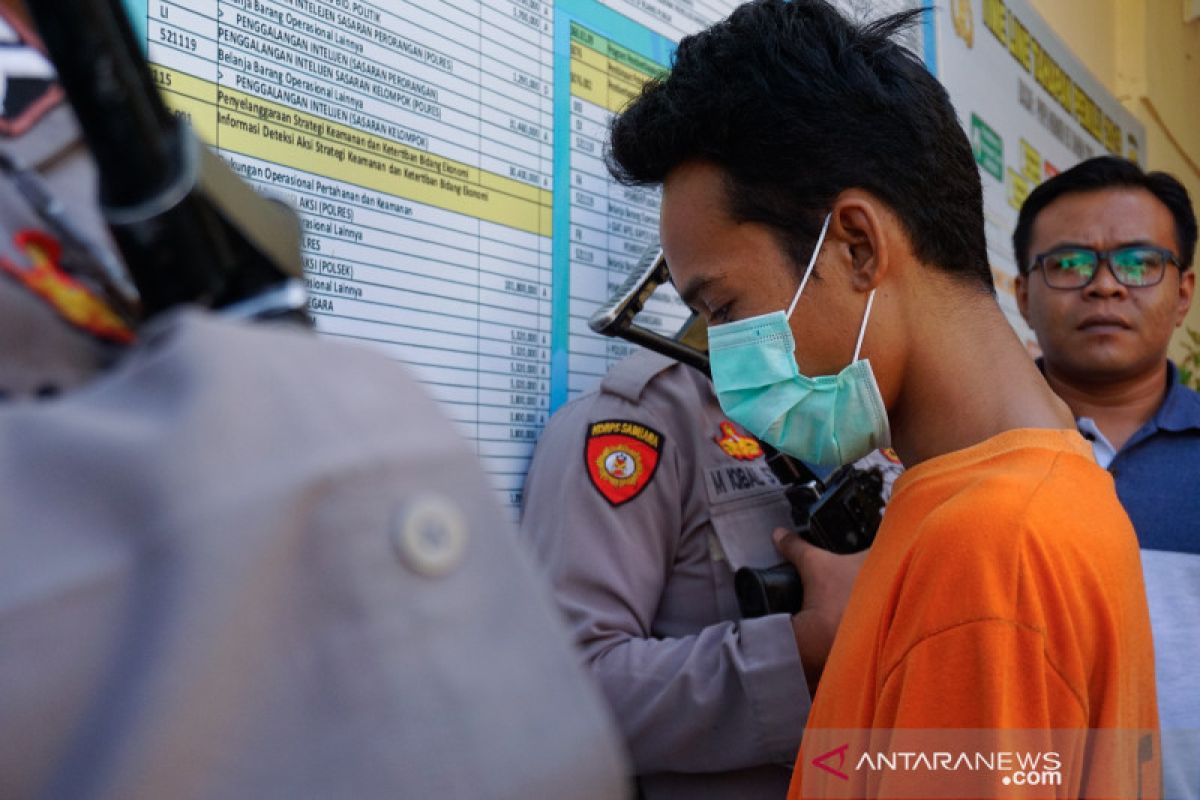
pixel 1105 253
pixel 822 208
pixel 237 560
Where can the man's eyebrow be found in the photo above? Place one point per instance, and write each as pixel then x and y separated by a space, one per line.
pixel 1136 243
pixel 1082 246
pixel 694 287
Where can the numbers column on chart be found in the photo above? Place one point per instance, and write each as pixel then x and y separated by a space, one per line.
pixel 514 311
pixel 421 167
pixel 610 224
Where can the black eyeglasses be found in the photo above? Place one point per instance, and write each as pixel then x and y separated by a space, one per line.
pixel 1135 266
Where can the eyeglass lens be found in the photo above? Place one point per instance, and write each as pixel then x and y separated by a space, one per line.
pixel 1075 268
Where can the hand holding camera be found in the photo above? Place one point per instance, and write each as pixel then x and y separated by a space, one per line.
pixel 827 579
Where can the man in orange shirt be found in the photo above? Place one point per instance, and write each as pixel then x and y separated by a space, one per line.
pixel 821 207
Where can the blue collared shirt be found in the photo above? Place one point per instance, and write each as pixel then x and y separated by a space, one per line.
pixel 1157 473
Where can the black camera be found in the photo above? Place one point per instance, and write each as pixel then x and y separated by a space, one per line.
pixel 840 514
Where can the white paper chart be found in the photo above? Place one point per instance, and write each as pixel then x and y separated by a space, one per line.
pixel 447 159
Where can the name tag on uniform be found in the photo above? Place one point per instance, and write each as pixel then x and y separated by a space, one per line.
pixel 732 481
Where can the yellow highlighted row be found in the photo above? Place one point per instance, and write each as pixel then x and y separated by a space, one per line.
pixel 604 48
pixel 604 73
pixel 1031 163
pixel 609 86
pixel 287 136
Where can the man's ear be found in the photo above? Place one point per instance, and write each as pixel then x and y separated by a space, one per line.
pixel 863 228
pixel 1187 285
pixel 1021 289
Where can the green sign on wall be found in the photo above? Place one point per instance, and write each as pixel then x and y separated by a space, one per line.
pixel 988 147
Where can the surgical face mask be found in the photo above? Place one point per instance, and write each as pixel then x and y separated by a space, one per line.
pixel 828 420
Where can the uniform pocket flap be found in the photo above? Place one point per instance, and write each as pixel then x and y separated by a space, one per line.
pixel 743 528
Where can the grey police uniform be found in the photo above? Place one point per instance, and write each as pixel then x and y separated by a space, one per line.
pixel 41 352
pixel 711 705
pixel 247 562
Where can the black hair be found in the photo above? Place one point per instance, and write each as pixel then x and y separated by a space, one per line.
pixel 797 103
pixel 1108 172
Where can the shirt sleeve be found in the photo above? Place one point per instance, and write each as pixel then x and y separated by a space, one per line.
pixel 730 696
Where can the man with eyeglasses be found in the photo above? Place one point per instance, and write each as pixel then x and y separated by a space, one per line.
pixel 1105 254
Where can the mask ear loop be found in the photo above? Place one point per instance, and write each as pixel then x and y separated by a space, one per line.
pixel 811 263
pixel 863 328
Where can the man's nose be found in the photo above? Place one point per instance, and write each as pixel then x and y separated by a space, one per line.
pixel 1105 284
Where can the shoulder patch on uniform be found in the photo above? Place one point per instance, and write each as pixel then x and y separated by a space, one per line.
pixel 28 85
pixel 743 448
pixel 621 457
pixel 70 299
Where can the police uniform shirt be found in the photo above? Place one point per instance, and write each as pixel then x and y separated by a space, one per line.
pixel 43 351
pixel 641 502
pixel 245 562
pixel 248 562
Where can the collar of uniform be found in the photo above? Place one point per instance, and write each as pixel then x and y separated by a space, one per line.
pixel 1179 412
pixel 47 126
pixel 1102 448
pixel 55 133
pixel 1014 440
pixel 628 378
pixel 1180 409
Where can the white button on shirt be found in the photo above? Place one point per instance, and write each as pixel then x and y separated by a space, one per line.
pixel 1102 449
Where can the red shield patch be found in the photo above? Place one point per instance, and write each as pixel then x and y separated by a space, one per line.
pixel 621 457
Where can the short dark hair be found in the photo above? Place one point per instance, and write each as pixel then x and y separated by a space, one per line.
pixel 797 103
pixel 1108 172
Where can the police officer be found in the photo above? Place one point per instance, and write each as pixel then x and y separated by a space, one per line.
pixel 242 561
pixel 642 501
pixel 55 327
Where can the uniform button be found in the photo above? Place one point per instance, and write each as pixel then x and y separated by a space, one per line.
pixel 430 535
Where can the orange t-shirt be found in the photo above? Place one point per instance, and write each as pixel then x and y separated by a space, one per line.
pixel 1003 599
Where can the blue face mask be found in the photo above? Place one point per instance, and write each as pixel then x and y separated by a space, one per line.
pixel 829 420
